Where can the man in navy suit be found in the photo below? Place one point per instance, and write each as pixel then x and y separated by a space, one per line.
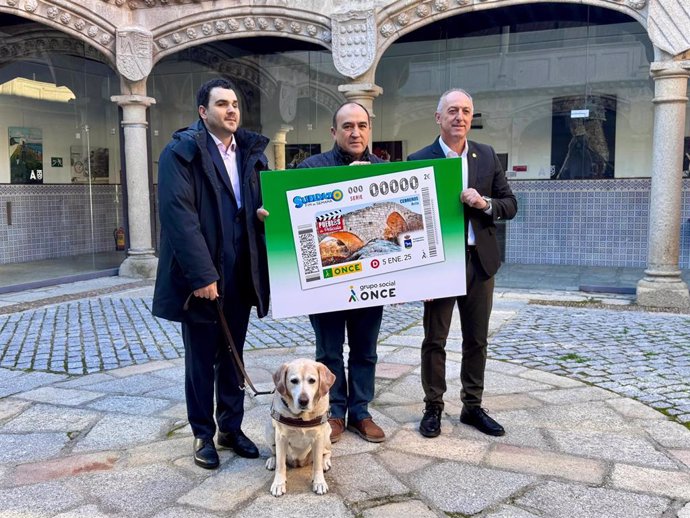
pixel 486 197
pixel 212 245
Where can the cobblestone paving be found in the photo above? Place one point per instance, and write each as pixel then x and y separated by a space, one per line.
pixel 106 333
pixel 641 355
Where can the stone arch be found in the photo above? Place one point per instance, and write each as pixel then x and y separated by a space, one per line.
pixel 402 17
pixel 395 225
pixel 240 22
pixel 81 24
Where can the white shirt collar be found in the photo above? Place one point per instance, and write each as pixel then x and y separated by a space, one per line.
pixel 446 148
pixel 230 149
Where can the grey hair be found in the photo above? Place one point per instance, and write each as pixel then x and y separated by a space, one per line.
pixel 447 93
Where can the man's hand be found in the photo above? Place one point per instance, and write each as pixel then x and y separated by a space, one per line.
pixel 262 214
pixel 472 198
pixel 208 292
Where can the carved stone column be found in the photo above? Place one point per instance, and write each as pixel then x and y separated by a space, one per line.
pixel 662 285
pixel 279 141
pixel 141 261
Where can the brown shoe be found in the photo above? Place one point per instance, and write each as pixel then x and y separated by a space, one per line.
pixel 337 428
pixel 367 429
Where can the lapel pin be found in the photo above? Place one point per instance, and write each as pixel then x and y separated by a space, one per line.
pixel 474 155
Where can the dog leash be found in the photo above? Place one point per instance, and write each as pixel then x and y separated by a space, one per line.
pixel 240 372
pixel 238 364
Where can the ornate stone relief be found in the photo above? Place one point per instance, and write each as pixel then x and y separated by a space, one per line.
pixel 134 57
pixel 147 4
pixel 637 4
pixel 98 35
pixel 408 15
pixel 667 24
pixel 51 41
pixel 354 42
pixel 212 29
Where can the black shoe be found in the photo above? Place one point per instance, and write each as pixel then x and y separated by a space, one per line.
pixel 240 443
pixel 430 426
pixel 476 416
pixel 205 454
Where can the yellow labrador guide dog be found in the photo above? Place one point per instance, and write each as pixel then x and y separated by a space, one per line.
pixel 299 432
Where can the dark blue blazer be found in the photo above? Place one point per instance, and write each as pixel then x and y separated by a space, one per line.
pixel 486 175
pixel 202 232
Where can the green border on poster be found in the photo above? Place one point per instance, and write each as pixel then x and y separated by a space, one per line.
pixel 282 258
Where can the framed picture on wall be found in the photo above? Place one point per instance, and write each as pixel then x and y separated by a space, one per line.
pixel 583 137
pixel 388 150
pixel 97 159
pixel 297 153
pixel 26 155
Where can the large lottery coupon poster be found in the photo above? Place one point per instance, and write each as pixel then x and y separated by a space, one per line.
pixel 366 235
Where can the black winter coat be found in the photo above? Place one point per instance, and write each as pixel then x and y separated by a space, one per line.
pixel 193 231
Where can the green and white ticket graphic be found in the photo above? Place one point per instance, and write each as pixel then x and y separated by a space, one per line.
pixel 393 224
pixel 368 235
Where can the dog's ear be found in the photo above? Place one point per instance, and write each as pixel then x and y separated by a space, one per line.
pixel 326 379
pixel 279 379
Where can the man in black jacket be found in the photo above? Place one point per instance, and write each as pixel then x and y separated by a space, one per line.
pixel 486 197
pixel 212 245
pixel 349 395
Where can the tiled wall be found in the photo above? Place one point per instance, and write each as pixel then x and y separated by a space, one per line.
pixel 586 222
pixel 597 222
pixel 55 220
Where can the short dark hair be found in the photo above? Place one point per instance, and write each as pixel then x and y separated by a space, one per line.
pixel 335 114
pixel 205 90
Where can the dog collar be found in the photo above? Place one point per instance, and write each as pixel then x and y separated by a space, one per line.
pixel 299 423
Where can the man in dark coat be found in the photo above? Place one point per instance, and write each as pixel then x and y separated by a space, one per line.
pixel 212 245
pixel 349 394
pixel 485 198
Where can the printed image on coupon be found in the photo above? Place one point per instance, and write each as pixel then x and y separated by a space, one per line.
pixel 369 230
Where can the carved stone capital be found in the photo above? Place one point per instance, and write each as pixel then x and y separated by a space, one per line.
pixel 362 93
pixel 369 90
pixel 354 42
pixel 133 100
pixel 134 53
pixel 662 69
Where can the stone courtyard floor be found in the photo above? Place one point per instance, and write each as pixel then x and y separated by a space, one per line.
pixel 92 417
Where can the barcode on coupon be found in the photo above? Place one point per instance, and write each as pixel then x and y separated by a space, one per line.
pixel 309 253
pixel 429 222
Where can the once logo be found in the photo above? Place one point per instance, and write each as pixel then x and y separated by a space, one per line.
pixel 375 263
pixel 346 269
pixel 385 293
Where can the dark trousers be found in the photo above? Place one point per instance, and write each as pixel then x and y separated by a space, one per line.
pixel 351 394
pixel 209 366
pixel 475 310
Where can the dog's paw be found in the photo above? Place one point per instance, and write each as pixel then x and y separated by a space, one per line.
pixel 278 488
pixel 271 463
pixel 327 462
pixel 320 488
